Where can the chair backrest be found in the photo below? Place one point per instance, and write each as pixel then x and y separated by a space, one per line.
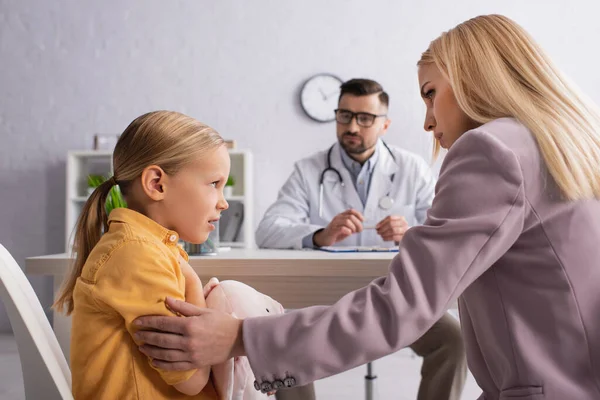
pixel 46 374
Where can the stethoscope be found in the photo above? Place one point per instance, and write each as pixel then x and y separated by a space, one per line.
pixel 386 202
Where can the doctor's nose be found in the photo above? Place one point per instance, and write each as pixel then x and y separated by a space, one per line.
pixel 353 125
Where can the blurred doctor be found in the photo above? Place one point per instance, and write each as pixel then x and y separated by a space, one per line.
pixel 359 191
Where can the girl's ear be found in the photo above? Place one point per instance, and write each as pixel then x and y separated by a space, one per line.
pixel 153 182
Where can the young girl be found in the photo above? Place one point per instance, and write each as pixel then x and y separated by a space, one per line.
pixel 171 170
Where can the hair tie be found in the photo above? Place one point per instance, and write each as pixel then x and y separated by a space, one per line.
pixel 113 181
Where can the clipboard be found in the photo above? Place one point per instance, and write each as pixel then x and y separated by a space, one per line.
pixel 231 221
pixel 358 249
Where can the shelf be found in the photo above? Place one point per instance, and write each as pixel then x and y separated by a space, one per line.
pixel 232 244
pixel 83 199
pixel 235 198
pixel 92 154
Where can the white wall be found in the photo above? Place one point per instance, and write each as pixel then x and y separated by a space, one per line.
pixel 69 69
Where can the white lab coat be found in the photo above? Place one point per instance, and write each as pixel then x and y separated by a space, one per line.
pixel 295 214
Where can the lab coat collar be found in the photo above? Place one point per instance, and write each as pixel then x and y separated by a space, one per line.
pixel 381 179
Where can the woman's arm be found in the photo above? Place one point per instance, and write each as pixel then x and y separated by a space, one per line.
pixel 477 215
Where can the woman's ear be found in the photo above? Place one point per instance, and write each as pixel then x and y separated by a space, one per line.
pixel 153 182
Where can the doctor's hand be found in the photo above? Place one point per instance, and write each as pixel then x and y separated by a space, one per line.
pixel 392 227
pixel 200 338
pixel 340 227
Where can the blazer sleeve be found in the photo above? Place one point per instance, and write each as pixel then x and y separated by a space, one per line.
pixel 287 221
pixel 476 216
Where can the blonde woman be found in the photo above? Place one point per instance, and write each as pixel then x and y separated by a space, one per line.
pixel 513 233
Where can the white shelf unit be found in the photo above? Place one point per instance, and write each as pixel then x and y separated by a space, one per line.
pixel 80 164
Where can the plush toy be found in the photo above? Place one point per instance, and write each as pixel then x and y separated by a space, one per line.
pixel 234 379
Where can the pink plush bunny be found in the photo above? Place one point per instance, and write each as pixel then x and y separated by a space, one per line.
pixel 234 379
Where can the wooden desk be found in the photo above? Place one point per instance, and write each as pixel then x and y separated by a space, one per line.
pixel 295 278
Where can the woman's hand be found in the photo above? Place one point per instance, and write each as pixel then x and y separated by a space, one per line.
pixel 205 337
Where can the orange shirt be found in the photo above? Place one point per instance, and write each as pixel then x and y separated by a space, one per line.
pixel 128 274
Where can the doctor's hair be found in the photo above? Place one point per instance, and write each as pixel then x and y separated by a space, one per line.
pixel 166 139
pixel 364 87
pixel 497 70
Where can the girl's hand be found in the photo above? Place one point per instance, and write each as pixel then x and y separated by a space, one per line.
pixel 210 286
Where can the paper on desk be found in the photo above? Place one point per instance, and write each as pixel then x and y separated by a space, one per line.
pixel 358 249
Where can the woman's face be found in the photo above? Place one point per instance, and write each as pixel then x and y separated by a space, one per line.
pixel 444 117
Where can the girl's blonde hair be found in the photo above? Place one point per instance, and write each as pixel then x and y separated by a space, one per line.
pixel 497 70
pixel 167 139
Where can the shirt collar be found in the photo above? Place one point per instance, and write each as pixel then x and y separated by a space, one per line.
pixel 355 166
pixel 166 236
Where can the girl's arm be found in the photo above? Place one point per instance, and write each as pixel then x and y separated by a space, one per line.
pixel 194 295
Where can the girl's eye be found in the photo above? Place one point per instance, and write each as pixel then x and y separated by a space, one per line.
pixel 430 93
pixel 214 184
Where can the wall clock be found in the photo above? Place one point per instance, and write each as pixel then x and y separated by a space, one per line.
pixel 319 97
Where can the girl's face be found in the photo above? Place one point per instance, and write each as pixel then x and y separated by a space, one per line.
pixel 444 118
pixel 193 197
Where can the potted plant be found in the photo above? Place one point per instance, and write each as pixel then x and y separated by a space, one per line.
pixel 114 199
pixel 228 189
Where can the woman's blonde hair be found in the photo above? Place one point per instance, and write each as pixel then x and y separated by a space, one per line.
pixel 167 139
pixel 497 70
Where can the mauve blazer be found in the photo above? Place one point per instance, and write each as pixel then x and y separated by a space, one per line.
pixel 523 263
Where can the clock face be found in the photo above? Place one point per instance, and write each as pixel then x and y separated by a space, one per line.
pixel 319 97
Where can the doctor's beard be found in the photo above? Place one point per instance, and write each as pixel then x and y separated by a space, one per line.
pixel 354 148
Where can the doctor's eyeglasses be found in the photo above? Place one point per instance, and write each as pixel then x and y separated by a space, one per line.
pixel 363 119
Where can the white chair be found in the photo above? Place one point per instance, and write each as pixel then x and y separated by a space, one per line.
pixel 46 374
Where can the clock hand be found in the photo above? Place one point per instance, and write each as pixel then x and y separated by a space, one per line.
pixel 322 94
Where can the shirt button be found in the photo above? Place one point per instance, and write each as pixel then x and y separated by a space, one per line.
pixel 173 238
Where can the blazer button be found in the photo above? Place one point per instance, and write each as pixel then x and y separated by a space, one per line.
pixel 289 382
pixel 277 385
pixel 256 385
pixel 266 387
